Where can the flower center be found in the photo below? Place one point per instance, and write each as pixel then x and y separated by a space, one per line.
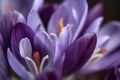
pixel 98 54
pixel 37 61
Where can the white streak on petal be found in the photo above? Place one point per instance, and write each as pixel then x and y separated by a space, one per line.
pixel 74 14
pixel 43 61
pixel 25 48
pixel 31 65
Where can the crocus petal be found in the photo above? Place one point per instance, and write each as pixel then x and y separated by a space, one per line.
pixel 114 41
pixel 45 13
pixel 101 41
pixel 47 75
pixel 6 24
pixel 2 42
pixel 45 44
pixel 72 15
pixel 95 12
pixel 18 67
pixel 112 30
pixel 66 36
pixel 20 31
pixel 3 65
pixel 117 72
pixel 94 26
pixel 25 48
pixel 58 58
pixel 109 28
pixel 33 20
pixel 16 5
pixel 37 5
pixel 107 63
pixel 79 52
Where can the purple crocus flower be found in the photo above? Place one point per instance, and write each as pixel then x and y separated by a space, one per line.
pixel 28 63
pixel 109 58
pixel 65 49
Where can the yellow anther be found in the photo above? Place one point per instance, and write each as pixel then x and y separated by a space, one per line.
pixel 102 51
pixel 8 8
pixel 37 61
pixel 60 25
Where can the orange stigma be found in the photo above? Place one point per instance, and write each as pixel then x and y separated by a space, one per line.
pixel 60 25
pixel 102 51
pixel 7 9
pixel 37 61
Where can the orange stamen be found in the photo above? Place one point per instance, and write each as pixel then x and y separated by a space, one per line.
pixel 60 25
pixel 37 61
pixel 7 9
pixel 102 51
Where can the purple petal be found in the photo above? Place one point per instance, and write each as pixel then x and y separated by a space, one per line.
pixel 73 12
pixel 112 30
pixel 4 72
pixel 23 6
pixel 58 58
pixel 79 52
pixel 33 20
pixel 45 13
pixel 94 13
pixel 6 24
pixel 114 74
pixel 20 31
pixel 37 5
pixel 114 41
pixel 95 25
pixel 109 28
pixel 117 72
pixel 65 37
pixel 107 63
pixel 2 42
pixel 18 67
pixel 47 75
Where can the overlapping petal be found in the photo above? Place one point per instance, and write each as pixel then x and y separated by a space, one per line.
pixel 20 31
pixel 4 71
pixel 7 21
pixel 45 46
pixel 75 13
pixel 48 75
pixel 18 67
pixel 34 21
pixel 79 52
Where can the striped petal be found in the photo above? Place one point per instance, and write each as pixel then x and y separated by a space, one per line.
pixel 79 53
